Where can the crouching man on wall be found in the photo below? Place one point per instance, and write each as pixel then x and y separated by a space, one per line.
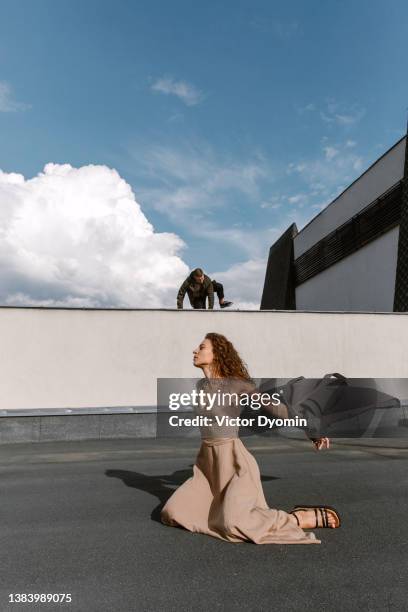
pixel 199 287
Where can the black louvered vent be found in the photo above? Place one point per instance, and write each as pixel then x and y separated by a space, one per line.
pixel 377 218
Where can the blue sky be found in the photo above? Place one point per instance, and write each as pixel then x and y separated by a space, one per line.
pixel 229 120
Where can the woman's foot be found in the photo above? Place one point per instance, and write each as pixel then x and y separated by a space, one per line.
pixel 314 517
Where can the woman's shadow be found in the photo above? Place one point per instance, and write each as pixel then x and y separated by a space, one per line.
pixel 161 486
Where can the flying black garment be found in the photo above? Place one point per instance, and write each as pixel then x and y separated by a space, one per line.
pixel 336 406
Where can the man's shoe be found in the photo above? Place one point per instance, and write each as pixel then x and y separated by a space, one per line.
pixel 226 304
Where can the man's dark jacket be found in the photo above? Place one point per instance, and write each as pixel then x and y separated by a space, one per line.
pixel 197 292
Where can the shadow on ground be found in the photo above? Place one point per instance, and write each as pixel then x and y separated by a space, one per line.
pixel 161 486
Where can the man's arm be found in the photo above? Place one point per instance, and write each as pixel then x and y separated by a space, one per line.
pixel 182 293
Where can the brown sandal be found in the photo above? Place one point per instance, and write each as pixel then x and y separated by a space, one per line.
pixel 324 510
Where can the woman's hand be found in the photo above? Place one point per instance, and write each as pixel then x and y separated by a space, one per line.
pixel 320 443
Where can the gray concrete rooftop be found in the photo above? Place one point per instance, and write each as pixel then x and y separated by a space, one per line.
pixel 82 518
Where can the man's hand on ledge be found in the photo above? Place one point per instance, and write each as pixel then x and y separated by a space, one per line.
pixel 320 443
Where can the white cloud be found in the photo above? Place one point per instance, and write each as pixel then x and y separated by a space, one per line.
pixel 326 173
pixel 176 118
pixel 253 243
pixel 341 114
pixel 336 114
pixel 295 167
pixel 192 186
pixel 308 108
pixel 326 176
pixel 186 92
pixel 77 237
pixel 358 164
pixel 204 194
pixel 298 199
pixel 347 119
pixel 330 152
pixel 243 283
pixel 7 103
pixel 273 202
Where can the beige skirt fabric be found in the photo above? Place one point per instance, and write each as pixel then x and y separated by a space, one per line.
pixel 224 498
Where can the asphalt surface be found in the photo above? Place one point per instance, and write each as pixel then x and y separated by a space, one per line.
pixel 82 518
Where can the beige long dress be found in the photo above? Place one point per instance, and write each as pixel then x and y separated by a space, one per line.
pixel 224 497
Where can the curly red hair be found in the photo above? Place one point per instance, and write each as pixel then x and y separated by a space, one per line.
pixel 227 362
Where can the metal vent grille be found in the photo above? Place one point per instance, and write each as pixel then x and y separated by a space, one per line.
pixel 377 218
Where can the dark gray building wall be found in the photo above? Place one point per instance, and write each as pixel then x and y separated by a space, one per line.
pixel 401 282
pixel 279 287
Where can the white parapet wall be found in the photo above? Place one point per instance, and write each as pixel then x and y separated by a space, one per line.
pixel 76 358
